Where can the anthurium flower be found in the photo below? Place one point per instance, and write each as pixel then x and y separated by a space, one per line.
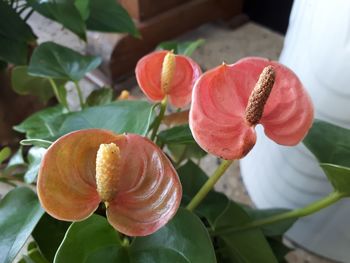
pixel 230 100
pixel 163 73
pixel 129 173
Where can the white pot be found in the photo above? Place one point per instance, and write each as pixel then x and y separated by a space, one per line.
pixel 317 48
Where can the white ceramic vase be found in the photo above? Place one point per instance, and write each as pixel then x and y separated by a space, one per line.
pixel 317 48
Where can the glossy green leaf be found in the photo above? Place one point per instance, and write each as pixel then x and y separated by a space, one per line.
pixel 279 248
pixel 185 48
pixel 244 246
pixel 35 155
pixel 43 124
pixel 329 143
pixel 83 8
pixel 64 12
pixel 110 16
pixel 184 239
pixel 13 26
pixel 176 135
pixel 49 243
pixel 24 84
pixel 100 97
pixel 19 213
pixel 277 229
pixel 15 162
pixel 4 154
pixel 98 235
pixel 13 51
pixel 36 142
pixel 50 60
pixel 339 176
pixel 120 117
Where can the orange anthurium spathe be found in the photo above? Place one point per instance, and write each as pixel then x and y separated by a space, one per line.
pixel 129 173
pixel 230 100
pixel 163 73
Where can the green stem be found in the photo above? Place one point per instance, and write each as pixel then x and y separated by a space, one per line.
pixel 202 193
pixel 55 90
pixel 80 94
pixel 300 212
pixel 160 117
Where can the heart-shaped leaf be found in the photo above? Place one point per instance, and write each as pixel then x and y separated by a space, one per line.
pixel 329 143
pixel 120 117
pixel 19 213
pixel 64 12
pixel 110 16
pixel 50 60
pixel 243 246
pixel 100 97
pixel 49 243
pixel 339 176
pixel 184 239
pixel 24 84
pixel 35 156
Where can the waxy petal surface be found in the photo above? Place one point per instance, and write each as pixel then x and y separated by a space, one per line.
pixel 66 182
pixel 147 189
pixel 148 74
pixel 220 97
pixel 149 192
pixel 217 114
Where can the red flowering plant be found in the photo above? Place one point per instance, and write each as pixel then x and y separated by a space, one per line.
pixel 117 180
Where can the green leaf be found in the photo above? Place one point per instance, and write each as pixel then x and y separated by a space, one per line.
pixel 50 60
pixel 36 142
pixel 83 8
pixel 184 48
pixel 277 229
pixel 15 162
pixel 329 143
pixel 19 213
pixel 4 154
pixel 180 143
pixel 43 124
pixel 12 26
pixel 64 12
pixel 183 239
pixel 35 156
pixel 339 176
pixel 13 51
pixel 176 135
pixel 24 84
pixel 49 243
pixel 279 249
pixel 120 117
pixel 98 235
pixel 109 16
pixel 34 256
pixel 100 97
pixel 243 246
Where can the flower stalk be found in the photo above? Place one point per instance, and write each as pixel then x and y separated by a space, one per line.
pixel 209 185
pixel 293 214
pixel 160 117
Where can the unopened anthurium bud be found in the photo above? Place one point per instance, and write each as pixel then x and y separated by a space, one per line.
pixel 259 96
pixel 107 170
pixel 168 71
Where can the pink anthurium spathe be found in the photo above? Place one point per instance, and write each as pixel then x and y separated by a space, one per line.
pixel 163 73
pixel 230 100
pixel 129 173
